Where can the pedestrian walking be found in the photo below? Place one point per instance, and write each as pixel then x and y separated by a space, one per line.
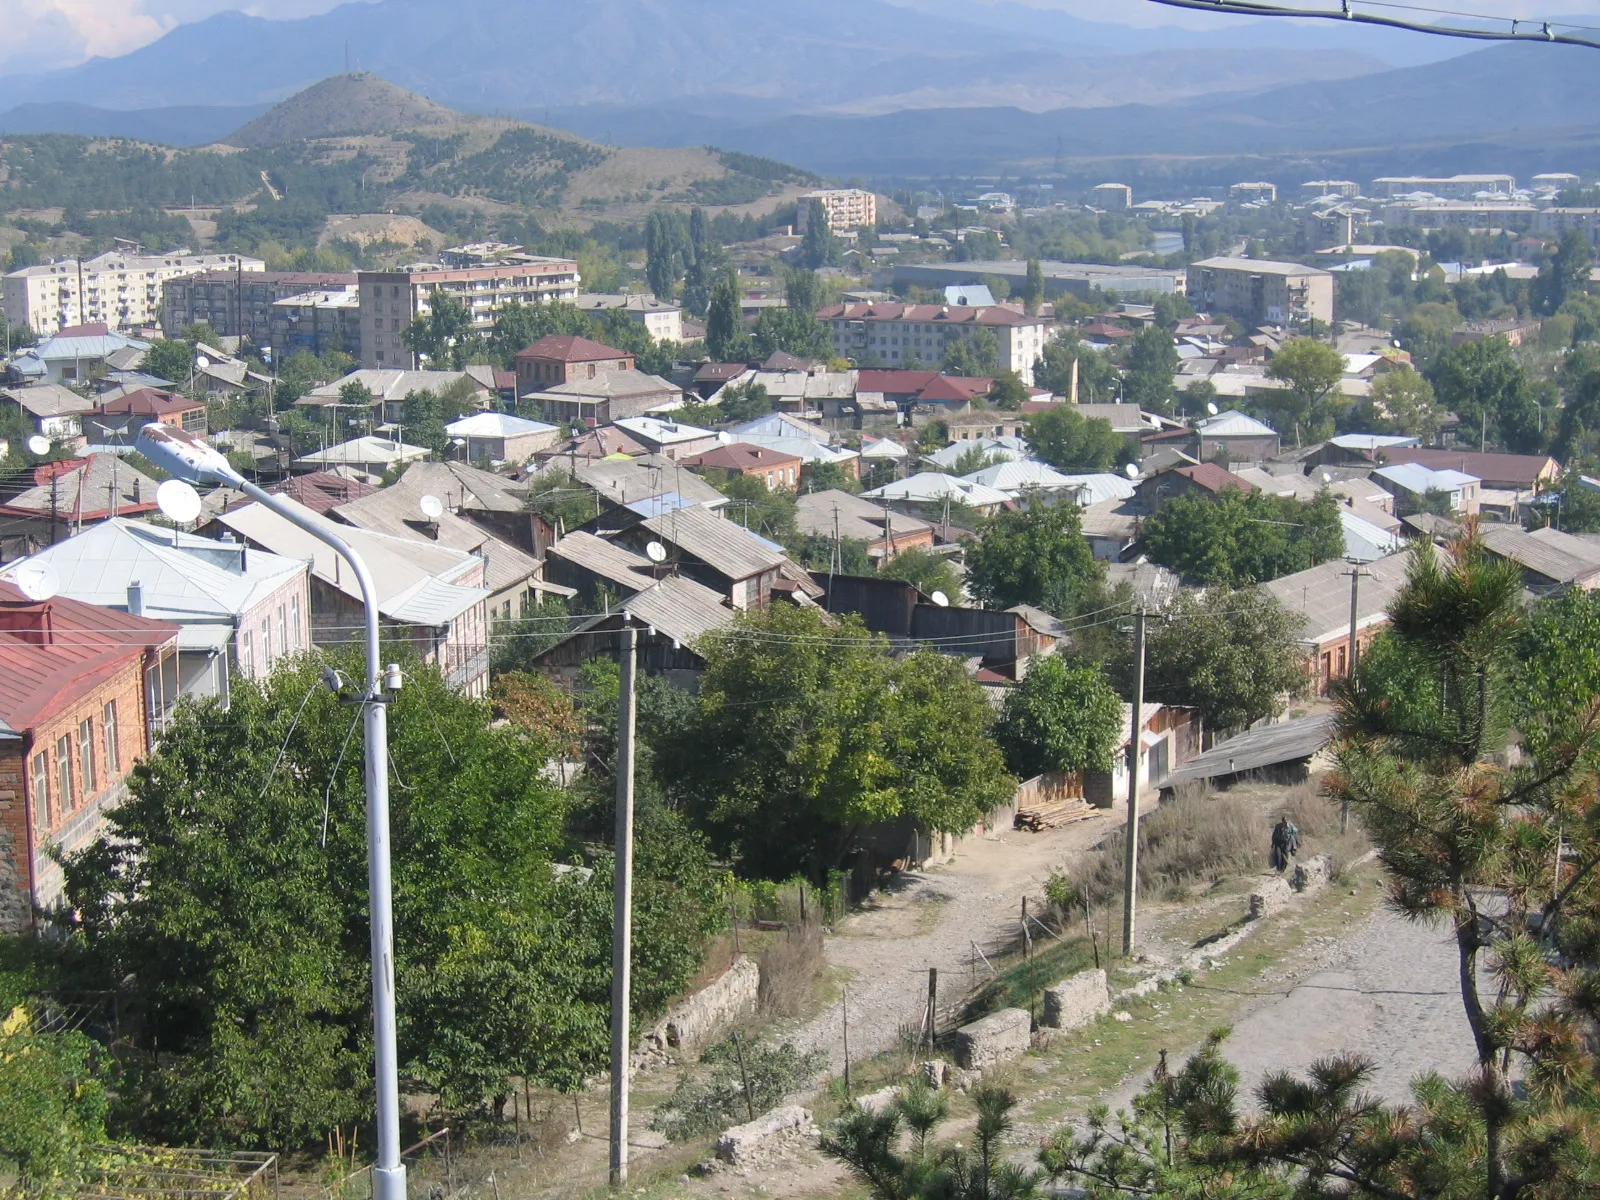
pixel 1285 843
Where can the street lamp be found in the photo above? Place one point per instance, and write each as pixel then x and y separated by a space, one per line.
pixel 188 457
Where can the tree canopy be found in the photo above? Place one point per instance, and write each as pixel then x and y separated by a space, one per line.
pixel 1306 406
pixel 1061 717
pixel 1239 538
pixel 1034 555
pixel 1071 442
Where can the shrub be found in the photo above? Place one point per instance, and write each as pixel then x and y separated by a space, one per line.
pixel 1194 838
pixel 699 1106
pixel 790 970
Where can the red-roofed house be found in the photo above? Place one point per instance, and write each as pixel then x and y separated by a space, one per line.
pixel 323 491
pixel 565 358
pixel 147 405
pixel 83 687
pixel 1204 477
pixel 775 468
pixel 898 333
pixel 955 392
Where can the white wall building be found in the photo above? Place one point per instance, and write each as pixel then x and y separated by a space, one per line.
pixel 121 290
pixel 847 209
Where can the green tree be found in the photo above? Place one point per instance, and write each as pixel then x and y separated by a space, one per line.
pixel 1565 274
pixel 1072 442
pixel 769 512
pixel 1232 655
pixel 847 736
pixel 1097 378
pixel 1482 383
pixel 818 246
pixel 1152 363
pixel 517 326
pixel 927 571
pixel 516 641
pixel 1573 506
pixel 662 262
pixel 975 356
pixel 1239 538
pixel 1197 397
pixel 726 340
pixel 1402 402
pixel 444 338
pixel 1034 555
pixel 1060 718
pixel 52 1122
pixel 1032 291
pixel 1008 393
pixel 744 401
pixel 171 359
pixel 792 330
pixel 1312 371
pixel 1425 333
pixel 821 476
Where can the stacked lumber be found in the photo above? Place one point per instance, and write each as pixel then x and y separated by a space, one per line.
pixel 1052 816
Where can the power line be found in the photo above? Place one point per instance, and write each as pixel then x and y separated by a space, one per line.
pixel 1543 31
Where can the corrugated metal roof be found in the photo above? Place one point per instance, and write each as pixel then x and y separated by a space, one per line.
pixel 1419 480
pixel 680 608
pixel 1234 424
pixel 86 492
pixel 604 558
pixel 1559 557
pixel 396 510
pixel 1100 486
pixel 859 519
pixel 366 450
pixel 806 449
pixel 718 542
pixel 623 481
pixel 1019 474
pixel 1321 595
pixel 1005 446
pixel 929 487
pixel 1270 746
pixel 496 424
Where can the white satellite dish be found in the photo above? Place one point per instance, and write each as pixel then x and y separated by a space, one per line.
pixel 201 361
pixel 1211 408
pixel 37 581
pixel 656 552
pixel 38 444
pixel 1326 478
pixel 178 501
pixel 940 599
pixel 1131 470
pixel 432 507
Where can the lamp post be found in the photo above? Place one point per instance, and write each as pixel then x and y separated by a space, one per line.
pixel 188 457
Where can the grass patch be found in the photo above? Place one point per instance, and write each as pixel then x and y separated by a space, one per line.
pixel 792 967
pixel 1021 980
pixel 1194 839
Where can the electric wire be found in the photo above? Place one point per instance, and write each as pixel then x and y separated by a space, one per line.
pixel 1545 30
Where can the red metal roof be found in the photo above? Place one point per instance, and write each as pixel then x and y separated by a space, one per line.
pixel 321 491
pixel 1214 478
pixel 955 387
pixel 569 347
pixel 741 456
pixel 939 314
pixel 93 329
pixel 148 402
pixel 55 652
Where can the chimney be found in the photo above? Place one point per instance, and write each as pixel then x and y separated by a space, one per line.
pixel 136 599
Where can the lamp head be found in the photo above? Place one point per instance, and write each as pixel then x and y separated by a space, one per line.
pixel 184 455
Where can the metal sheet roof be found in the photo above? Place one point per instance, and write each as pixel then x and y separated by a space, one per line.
pixel 1273 745
pixel 929 487
pixel 1233 424
pixel 1019 474
pixel 1321 595
pixel 718 542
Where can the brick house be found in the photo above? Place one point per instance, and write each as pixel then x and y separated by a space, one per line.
pixel 145 405
pixel 779 471
pixel 566 358
pixel 84 685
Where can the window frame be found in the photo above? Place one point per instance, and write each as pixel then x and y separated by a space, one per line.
pixel 86 764
pixel 108 736
pixel 64 775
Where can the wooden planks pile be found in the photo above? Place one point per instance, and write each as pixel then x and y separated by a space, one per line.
pixel 1052 816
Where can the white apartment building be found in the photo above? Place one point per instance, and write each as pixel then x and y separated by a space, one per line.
pixel 1446 187
pixel 661 319
pixel 897 334
pixel 123 291
pixel 847 209
pixel 390 300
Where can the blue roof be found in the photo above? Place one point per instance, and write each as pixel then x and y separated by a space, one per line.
pixel 655 506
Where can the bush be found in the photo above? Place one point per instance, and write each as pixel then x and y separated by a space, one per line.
pixel 790 970
pixel 718 1100
pixel 1198 837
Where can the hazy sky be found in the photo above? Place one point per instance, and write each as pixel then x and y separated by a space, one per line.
pixel 43 34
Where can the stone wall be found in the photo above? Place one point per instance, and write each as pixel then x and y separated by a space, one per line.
pixel 1076 1000
pixel 994 1039
pixel 690 1023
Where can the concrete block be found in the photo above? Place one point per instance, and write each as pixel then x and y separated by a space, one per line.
pixel 1076 1000
pixel 936 1071
pixel 1313 873
pixel 1269 897
pixel 744 1145
pixel 996 1038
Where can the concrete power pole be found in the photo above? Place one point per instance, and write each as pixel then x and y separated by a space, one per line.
pixel 622 917
pixel 1351 658
pixel 1130 886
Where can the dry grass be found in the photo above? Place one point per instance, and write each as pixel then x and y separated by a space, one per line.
pixel 1196 838
pixel 791 971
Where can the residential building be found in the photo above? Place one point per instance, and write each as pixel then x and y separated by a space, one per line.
pixel 834 514
pixel 1518 472
pixel 83 687
pixel 130 412
pixel 933 492
pixel 1261 292
pixel 391 300
pixel 1022 476
pixel 370 455
pixel 1413 485
pixel 779 471
pixel 53 411
pixel 1253 192
pixel 619 482
pixel 669 617
pixel 1206 478
pixel 389 389
pixel 322 491
pixel 994 447
pixel 1555 181
pixel 429 596
pixel 122 291
pixel 320 322
pixel 661 319
pixel 1452 187
pixel 73 354
pixel 241 304
pixel 1345 188
pixel 501 437
pixel 603 442
pixel 494 502
pixel 845 208
pixel 923 332
pixel 68 495
pixel 1551 561
pixel 238 610
pixel 985 423
pixel 1515 330
pixel 719 553
pixel 1460 214
pixel 1242 438
pixel 606 397
pixel 906 390
pixel 1556 221
pixel 1320 598
pixel 1111 196
pixel 1060 278
pixel 566 358
pixel 672 440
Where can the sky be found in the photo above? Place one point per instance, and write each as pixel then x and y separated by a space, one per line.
pixel 44 34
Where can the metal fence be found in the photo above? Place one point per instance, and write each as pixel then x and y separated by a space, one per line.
pixel 163 1173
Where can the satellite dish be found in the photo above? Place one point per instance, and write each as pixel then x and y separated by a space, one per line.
pixel 940 599
pixel 1211 408
pixel 37 581
pixel 38 444
pixel 1326 478
pixel 178 501
pixel 656 552
pixel 201 361
pixel 432 507
pixel 1132 470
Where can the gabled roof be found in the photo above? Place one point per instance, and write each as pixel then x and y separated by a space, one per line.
pixel 1005 446
pixel 1558 557
pixel 610 384
pixel 1124 418
pixel 929 487
pixel 377 451
pixel 85 341
pixel 858 518
pixel 391 384
pixel 1419 480
pixel 624 480
pixel 1320 596
pixel 397 510
pixel 883 448
pixel 1019 474
pixel 604 558
pixel 147 402
pixel 716 541
pixel 55 652
pixel 662 433
pixel 496 424
pixel 1234 424
pixel 946 388
pixel 1495 470
pixel 322 490
pixel 781 425
pixel 806 449
pixel 85 490
pixel 1098 486
pixel 569 348
pixel 741 456
pixel 462 485
pixel 1214 478
pixel 50 400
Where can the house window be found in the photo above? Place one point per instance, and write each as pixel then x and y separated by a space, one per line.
pixel 41 790
pixel 283 632
pixel 86 757
pixel 247 657
pixel 294 619
pixel 108 732
pixel 64 772
pixel 769 480
pixel 266 646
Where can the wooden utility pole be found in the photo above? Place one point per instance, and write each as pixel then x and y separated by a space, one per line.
pixel 622 916
pixel 1354 653
pixel 1130 861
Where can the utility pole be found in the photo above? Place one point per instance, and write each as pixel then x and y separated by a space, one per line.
pixel 1130 861
pixel 622 917
pixel 1355 649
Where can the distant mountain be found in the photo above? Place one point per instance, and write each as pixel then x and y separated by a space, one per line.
pixel 496 56
pixel 191 125
pixel 342 106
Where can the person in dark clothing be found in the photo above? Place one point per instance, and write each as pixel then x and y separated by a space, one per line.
pixel 1285 843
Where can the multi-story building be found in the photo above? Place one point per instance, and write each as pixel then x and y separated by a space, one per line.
pixel 1262 292
pixel 1555 181
pixel 1060 278
pixel 239 305
pixel 391 300
pixel 1558 220
pixel 900 333
pixel 85 686
pixel 1462 214
pixel 846 208
pixel 1244 193
pixel 1451 187
pixel 566 358
pixel 1346 189
pixel 1111 196
pixel 661 320
pixel 124 291
pixel 316 322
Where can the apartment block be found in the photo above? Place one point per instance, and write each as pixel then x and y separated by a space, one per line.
pixel 240 305
pixel 896 334
pixel 1449 187
pixel 1253 190
pixel 1111 196
pixel 123 291
pixel 391 300
pixel 661 320
pixel 846 208
pixel 1262 292
pixel 317 323
pixel 1347 189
